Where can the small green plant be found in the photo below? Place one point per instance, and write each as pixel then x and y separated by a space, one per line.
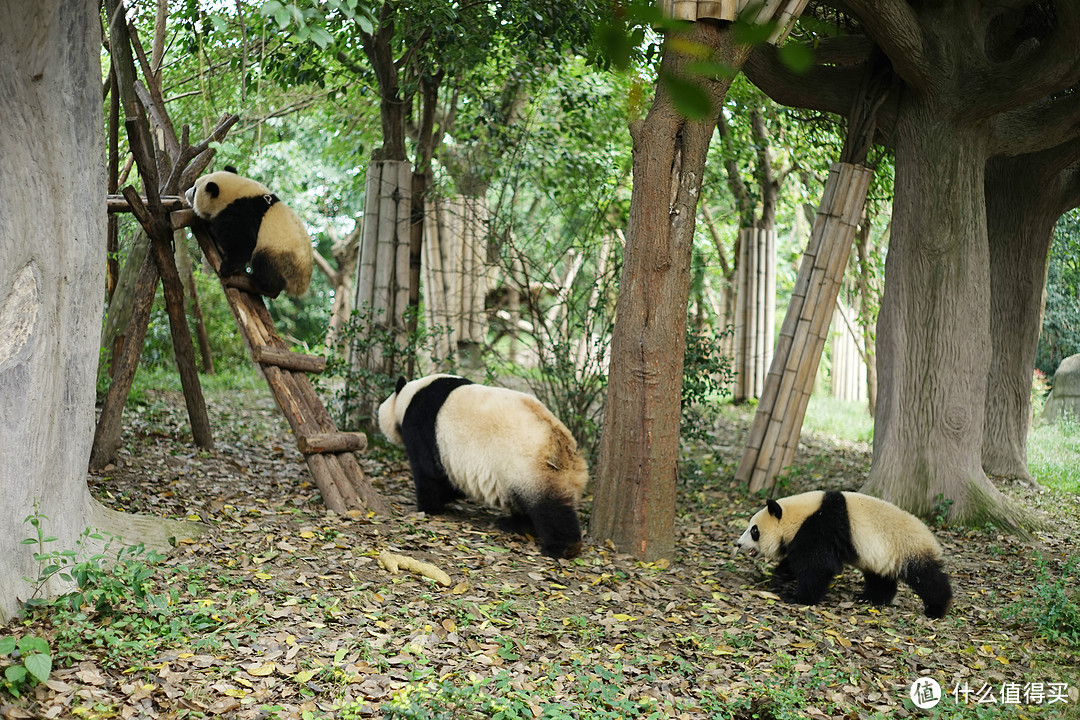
pixel 705 375
pixel 1053 606
pixel 30 660
pixel 940 514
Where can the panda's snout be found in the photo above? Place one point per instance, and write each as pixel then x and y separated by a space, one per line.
pixel 750 551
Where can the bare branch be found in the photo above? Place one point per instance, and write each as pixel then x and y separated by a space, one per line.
pixel 894 27
pixel 828 89
pixel 1036 127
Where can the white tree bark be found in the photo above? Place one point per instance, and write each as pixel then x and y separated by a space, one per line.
pixel 52 251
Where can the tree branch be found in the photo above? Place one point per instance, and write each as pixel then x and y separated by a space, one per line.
pixel 894 27
pixel 1036 127
pixel 827 89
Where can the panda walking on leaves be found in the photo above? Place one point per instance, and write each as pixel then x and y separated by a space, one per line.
pixel 814 534
pixel 252 226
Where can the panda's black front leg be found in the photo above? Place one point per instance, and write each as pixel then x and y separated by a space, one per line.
pixel 813 576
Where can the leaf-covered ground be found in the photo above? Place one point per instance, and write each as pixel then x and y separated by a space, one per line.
pixel 281 609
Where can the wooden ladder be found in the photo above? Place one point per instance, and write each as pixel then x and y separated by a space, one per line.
pixel 328 452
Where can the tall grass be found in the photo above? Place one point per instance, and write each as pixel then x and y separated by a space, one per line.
pixel 1054 454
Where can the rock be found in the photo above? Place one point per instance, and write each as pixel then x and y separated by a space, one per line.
pixel 1065 397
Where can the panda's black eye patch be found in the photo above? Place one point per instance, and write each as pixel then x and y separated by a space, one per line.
pixel 755 533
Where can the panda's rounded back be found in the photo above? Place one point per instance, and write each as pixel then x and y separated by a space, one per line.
pixel 885 536
pixel 497 441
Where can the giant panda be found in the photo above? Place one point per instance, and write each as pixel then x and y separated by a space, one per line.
pixel 813 535
pixel 496 446
pixel 251 225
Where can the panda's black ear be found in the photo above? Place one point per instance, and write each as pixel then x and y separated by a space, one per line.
pixel 230 168
pixel 400 384
pixel 212 189
pixel 774 509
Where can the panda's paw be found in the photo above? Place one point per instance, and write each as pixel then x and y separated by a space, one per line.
pixel 241 282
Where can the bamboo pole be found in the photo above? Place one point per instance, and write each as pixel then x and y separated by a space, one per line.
pixel 774 433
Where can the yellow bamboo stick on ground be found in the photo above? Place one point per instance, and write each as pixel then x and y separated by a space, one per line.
pixel 392 562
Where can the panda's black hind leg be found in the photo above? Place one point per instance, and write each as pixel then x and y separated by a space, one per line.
pixel 556 523
pixel 265 276
pixel 878 589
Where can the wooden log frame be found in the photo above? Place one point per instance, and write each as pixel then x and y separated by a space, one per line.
pixel 328 452
pixel 774 433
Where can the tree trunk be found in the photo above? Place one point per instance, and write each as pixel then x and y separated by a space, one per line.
pixel 50 287
pixel 932 360
pixel 638 467
pixel 1021 212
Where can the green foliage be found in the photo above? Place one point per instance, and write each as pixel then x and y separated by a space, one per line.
pixel 354 386
pixel 705 375
pixel 27 660
pixel 1060 336
pixel 1053 605
pixel 1054 454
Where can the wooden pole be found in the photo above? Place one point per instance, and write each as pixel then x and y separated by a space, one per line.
pixel 775 430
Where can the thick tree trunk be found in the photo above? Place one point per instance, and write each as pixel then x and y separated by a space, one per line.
pixel 933 359
pixel 634 504
pixel 1021 211
pixel 50 286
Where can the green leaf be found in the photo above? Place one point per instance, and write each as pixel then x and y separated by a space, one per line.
pixel 39 665
pixel 7 645
pixel 15 674
pixel 33 644
pixel 321 38
pixel 690 98
pixel 798 57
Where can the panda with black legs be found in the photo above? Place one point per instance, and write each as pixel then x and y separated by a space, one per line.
pixel 495 446
pixel 813 535
pixel 252 226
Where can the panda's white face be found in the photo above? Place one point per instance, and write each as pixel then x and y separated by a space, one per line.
pixel 768 530
pixel 750 540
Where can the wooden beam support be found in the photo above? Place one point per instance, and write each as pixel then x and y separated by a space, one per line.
pixel 332 442
pixel 287 360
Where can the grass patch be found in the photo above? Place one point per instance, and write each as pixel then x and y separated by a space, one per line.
pixel 839 418
pixel 1054 454
pixel 156 379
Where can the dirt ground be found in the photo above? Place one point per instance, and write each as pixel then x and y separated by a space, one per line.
pixel 302 622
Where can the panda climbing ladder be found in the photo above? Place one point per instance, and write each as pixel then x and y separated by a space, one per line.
pixel 328 452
